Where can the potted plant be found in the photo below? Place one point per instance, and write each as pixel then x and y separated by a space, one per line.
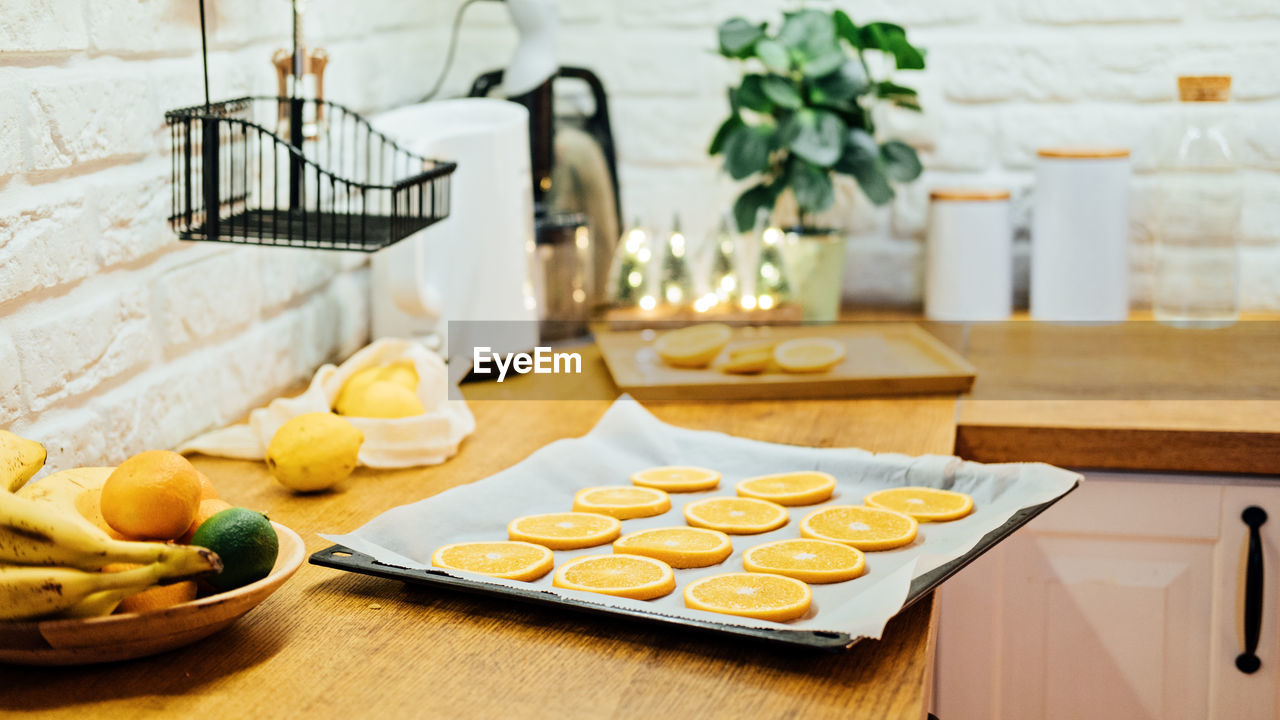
pixel 803 113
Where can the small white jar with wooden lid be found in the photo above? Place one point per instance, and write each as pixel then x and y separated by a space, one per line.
pixel 1080 235
pixel 969 257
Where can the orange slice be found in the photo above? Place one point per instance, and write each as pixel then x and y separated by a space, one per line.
pixel 628 576
pixel 809 355
pixel 754 595
pixel 677 478
pixel 679 547
pixel 736 516
pixel 793 488
pixel 622 502
pixel 751 348
pixel 811 561
pixel 861 527
pixel 747 363
pixel 923 503
pixel 565 531
pixel 694 346
pixel 508 560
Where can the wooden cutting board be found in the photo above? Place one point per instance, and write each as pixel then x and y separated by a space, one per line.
pixel 880 359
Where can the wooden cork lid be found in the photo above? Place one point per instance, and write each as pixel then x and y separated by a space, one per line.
pixel 1081 153
pixel 1204 88
pixel 968 194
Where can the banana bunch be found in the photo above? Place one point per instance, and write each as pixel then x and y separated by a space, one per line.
pixel 49 550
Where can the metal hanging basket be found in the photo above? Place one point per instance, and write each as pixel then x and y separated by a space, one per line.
pixel 334 183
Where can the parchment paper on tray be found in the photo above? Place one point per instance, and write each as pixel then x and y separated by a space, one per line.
pixel 628 438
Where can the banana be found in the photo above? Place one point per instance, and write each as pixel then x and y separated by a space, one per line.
pixel 31 592
pixel 103 602
pixel 20 458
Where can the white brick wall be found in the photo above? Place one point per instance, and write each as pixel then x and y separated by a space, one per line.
pixel 1005 77
pixel 115 336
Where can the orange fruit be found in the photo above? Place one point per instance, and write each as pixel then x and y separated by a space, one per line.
pixel 206 510
pixel 865 528
pixel 792 488
pixel 747 363
pixel 622 502
pixel 923 503
pixel 753 595
pixel 694 346
pixel 736 516
pixel 809 355
pixel 677 478
pixel 507 560
pixel 207 490
pixel 153 495
pixel 628 576
pixel 753 348
pixel 565 531
pixel 807 560
pixel 154 598
pixel 679 547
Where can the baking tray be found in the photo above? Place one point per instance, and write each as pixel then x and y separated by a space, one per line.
pixel 343 558
pixel 880 359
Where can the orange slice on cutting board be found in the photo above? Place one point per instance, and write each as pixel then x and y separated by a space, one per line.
pixel 747 363
pixel 622 502
pixel 735 515
pixel 807 560
pixel 865 528
pixel 793 488
pixel 923 503
pixel 565 531
pixel 753 595
pixel 679 547
pixel 628 576
pixel 694 346
pixel 677 478
pixel 809 355
pixel 507 560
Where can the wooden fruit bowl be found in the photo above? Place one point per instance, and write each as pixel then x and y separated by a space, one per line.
pixel 133 635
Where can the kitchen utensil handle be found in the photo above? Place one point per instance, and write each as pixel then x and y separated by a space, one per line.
pixel 1247 662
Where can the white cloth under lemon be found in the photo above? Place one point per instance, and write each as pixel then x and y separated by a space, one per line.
pixel 426 439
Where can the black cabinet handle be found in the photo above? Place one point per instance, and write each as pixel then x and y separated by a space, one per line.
pixel 1247 662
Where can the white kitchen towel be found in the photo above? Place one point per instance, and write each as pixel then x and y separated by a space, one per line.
pixel 426 439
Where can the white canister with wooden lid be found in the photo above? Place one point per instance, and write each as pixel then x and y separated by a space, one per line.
pixel 969 257
pixel 1080 235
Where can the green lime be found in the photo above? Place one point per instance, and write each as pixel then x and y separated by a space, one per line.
pixel 245 541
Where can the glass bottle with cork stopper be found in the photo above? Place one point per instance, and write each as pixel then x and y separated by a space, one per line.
pixel 1196 231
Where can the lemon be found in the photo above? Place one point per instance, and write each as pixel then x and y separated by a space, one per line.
pixel 313 451
pixel 400 372
pixel 694 346
pixel 748 363
pixel 752 348
pixel 353 394
pixel 153 495
pixel 507 560
pixel 379 399
pixel 809 355
pixel 754 595
pixel 925 504
pixel 245 541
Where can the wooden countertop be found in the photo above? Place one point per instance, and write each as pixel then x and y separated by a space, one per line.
pixel 332 644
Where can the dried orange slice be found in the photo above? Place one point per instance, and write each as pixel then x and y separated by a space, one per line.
pixel 754 595
pixel 923 503
pixel 811 561
pixel 508 560
pixel 747 363
pixel 809 355
pixel 622 502
pixel 792 488
pixel 679 547
pixel 736 516
pixel 677 478
pixel 694 346
pixel 865 528
pixel 565 531
pixel 628 576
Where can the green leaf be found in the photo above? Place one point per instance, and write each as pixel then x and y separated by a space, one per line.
pixel 861 159
pixel 900 161
pixel 806 29
pixel 823 64
pixel 749 204
pixel 818 137
pixel 747 152
pixel 726 130
pixel 846 83
pixel 846 29
pixel 773 55
pixel 738 37
pixel 879 35
pixel 906 55
pixel 898 95
pixel 811 185
pixel 782 92
pixel 859 146
pixel 751 94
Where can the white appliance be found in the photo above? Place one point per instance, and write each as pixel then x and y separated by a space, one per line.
pixel 476 264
